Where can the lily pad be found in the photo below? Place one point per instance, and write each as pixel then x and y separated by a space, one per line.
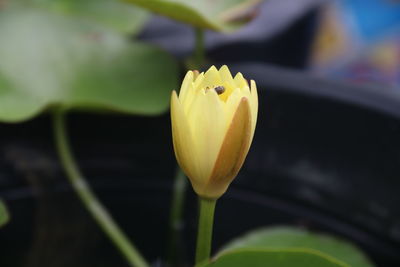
pixel 294 238
pixel 4 217
pixel 218 15
pixel 50 61
pixel 269 257
pixel 111 13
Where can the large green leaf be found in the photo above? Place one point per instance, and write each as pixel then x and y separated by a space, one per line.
pixel 274 258
pixel 219 15
pixel 111 13
pixel 288 237
pixel 4 217
pixel 50 61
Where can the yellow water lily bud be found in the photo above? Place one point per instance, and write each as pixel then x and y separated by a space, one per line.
pixel 213 123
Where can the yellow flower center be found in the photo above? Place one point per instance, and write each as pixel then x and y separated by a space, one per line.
pixel 220 89
pixel 223 90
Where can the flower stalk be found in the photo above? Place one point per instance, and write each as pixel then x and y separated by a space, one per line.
pixel 205 229
pixel 176 218
pixel 88 198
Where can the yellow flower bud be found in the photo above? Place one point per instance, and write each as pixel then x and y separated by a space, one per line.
pixel 213 123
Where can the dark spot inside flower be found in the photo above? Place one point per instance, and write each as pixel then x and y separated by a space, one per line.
pixel 219 89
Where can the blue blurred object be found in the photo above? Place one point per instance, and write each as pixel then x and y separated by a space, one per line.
pixel 373 18
pixel 359 41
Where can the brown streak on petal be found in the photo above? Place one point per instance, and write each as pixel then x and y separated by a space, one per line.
pixel 233 151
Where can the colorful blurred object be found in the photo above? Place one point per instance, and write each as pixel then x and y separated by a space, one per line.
pixel 359 40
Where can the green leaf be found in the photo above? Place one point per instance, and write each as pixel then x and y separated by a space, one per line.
pixel 274 258
pixel 289 238
pixel 219 15
pixel 51 61
pixel 111 13
pixel 4 217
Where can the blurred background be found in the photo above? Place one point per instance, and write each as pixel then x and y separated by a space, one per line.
pixel 344 40
pixel 326 154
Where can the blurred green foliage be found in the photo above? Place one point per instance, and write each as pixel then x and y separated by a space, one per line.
pixel 279 257
pixel 4 216
pixel 218 15
pixel 294 238
pixel 114 14
pixel 50 60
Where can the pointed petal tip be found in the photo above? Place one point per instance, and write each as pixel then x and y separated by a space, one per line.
pixel 211 69
pixel 224 67
pixel 239 75
pixel 244 106
pixel 244 100
pixel 190 73
pixel 198 77
pixel 189 76
pixel 174 98
pixel 253 91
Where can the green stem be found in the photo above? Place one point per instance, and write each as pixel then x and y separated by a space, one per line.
pixel 199 52
pixel 205 228
pixel 176 214
pixel 82 188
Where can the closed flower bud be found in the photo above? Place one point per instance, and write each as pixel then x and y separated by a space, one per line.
pixel 213 123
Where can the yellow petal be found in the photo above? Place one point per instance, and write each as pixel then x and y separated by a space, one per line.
pixel 226 75
pixel 182 138
pixel 232 105
pixel 189 98
pixel 232 153
pixel 192 89
pixel 240 81
pixel 253 105
pixel 187 81
pixel 199 79
pixel 211 78
pixel 207 121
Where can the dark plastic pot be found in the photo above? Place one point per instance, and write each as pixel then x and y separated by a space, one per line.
pixel 325 156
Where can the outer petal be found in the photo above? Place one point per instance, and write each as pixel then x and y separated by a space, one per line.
pixel 192 92
pixel 199 79
pixel 231 105
pixel 254 104
pixel 207 123
pixel 232 153
pixel 187 81
pixel 182 138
